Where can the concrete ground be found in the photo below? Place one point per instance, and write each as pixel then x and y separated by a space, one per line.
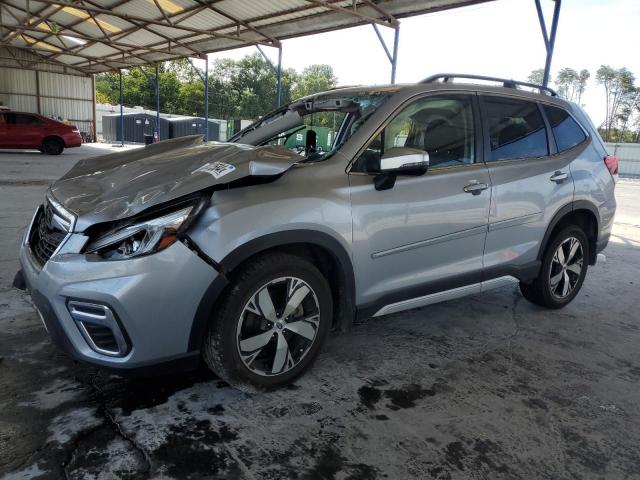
pixel 487 387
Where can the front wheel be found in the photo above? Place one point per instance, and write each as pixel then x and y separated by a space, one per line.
pixel 272 322
pixel 564 267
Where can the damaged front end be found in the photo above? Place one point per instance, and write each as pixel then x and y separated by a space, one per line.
pixel 122 185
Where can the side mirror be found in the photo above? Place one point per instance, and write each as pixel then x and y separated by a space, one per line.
pixel 400 161
pixel 404 161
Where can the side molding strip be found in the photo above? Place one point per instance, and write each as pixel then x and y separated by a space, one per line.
pixel 446 295
pixel 432 241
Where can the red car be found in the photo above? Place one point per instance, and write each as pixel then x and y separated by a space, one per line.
pixel 30 130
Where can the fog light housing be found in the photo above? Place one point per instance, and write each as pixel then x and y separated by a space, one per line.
pixel 99 326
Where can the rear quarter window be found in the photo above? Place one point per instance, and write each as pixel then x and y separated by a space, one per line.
pixel 516 129
pixel 565 129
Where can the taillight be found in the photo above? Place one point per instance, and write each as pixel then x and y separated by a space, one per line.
pixel 612 164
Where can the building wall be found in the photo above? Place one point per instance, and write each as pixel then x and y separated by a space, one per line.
pixel 103 110
pixel 52 94
pixel 628 158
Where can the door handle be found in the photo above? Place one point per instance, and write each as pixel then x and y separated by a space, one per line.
pixel 475 188
pixel 559 177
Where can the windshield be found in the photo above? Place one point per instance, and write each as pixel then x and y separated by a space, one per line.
pixel 313 127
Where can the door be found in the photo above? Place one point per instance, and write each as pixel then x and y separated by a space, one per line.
pixel 23 130
pixel 530 182
pixel 427 233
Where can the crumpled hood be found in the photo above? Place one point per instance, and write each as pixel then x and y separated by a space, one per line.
pixel 119 185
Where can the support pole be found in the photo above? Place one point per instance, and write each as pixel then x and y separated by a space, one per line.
pixel 543 27
pixel 393 58
pixel 94 135
pixel 279 78
pixel 277 70
pixel 549 38
pixel 121 112
pixel 38 102
pixel 206 98
pixel 157 132
pixel 394 62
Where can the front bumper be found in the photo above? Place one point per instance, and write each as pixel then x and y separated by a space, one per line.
pixel 154 298
pixel 72 140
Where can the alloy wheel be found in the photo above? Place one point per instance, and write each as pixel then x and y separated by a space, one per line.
pixel 278 326
pixel 566 268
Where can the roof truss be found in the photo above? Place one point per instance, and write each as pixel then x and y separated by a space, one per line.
pixel 93 36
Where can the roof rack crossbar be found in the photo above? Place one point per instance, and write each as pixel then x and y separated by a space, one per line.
pixel 507 83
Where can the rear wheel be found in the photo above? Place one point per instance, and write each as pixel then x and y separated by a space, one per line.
pixel 272 322
pixel 564 267
pixel 53 146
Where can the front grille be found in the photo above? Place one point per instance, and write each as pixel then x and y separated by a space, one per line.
pixel 46 237
pixel 102 337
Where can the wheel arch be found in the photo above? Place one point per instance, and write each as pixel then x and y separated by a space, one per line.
pixel 582 213
pixel 324 251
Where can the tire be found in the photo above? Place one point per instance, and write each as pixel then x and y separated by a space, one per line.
pixel 557 284
pixel 247 329
pixel 52 146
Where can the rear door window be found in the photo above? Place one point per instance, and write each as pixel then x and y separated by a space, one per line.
pixel 22 119
pixel 565 129
pixel 516 129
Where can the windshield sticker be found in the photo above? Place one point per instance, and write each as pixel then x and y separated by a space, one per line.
pixel 215 169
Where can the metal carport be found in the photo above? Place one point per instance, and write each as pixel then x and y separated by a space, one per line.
pixel 93 36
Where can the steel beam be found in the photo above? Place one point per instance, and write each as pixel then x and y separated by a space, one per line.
pixel 196 69
pixel 543 26
pixel 548 37
pixel 121 112
pixel 393 57
pixel 355 13
pixel 552 41
pixel 134 18
pixel 206 99
pixel 93 109
pixel 157 132
pixel 266 59
pixel 382 42
pixel 38 91
pixel 237 21
pixel 279 78
pixel 394 63
pixel 277 70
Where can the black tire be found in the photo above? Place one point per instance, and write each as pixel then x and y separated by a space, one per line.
pixel 541 290
pixel 221 345
pixel 52 146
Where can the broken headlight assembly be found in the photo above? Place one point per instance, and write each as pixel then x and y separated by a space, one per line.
pixel 146 234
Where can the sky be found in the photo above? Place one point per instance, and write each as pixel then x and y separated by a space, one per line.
pixel 500 38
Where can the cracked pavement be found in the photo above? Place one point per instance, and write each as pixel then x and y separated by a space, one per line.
pixel 486 387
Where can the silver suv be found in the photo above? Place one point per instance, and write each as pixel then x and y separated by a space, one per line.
pixel 352 203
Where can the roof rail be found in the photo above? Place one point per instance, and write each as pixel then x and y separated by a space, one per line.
pixel 445 77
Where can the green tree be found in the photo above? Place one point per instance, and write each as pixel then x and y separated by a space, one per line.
pixel 583 77
pixel 315 78
pixel 244 88
pixel 139 87
pixel 619 93
pixel 571 84
pixel 107 88
pixel 565 83
pixel 536 76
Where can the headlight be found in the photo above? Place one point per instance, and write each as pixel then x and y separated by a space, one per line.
pixel 145 235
